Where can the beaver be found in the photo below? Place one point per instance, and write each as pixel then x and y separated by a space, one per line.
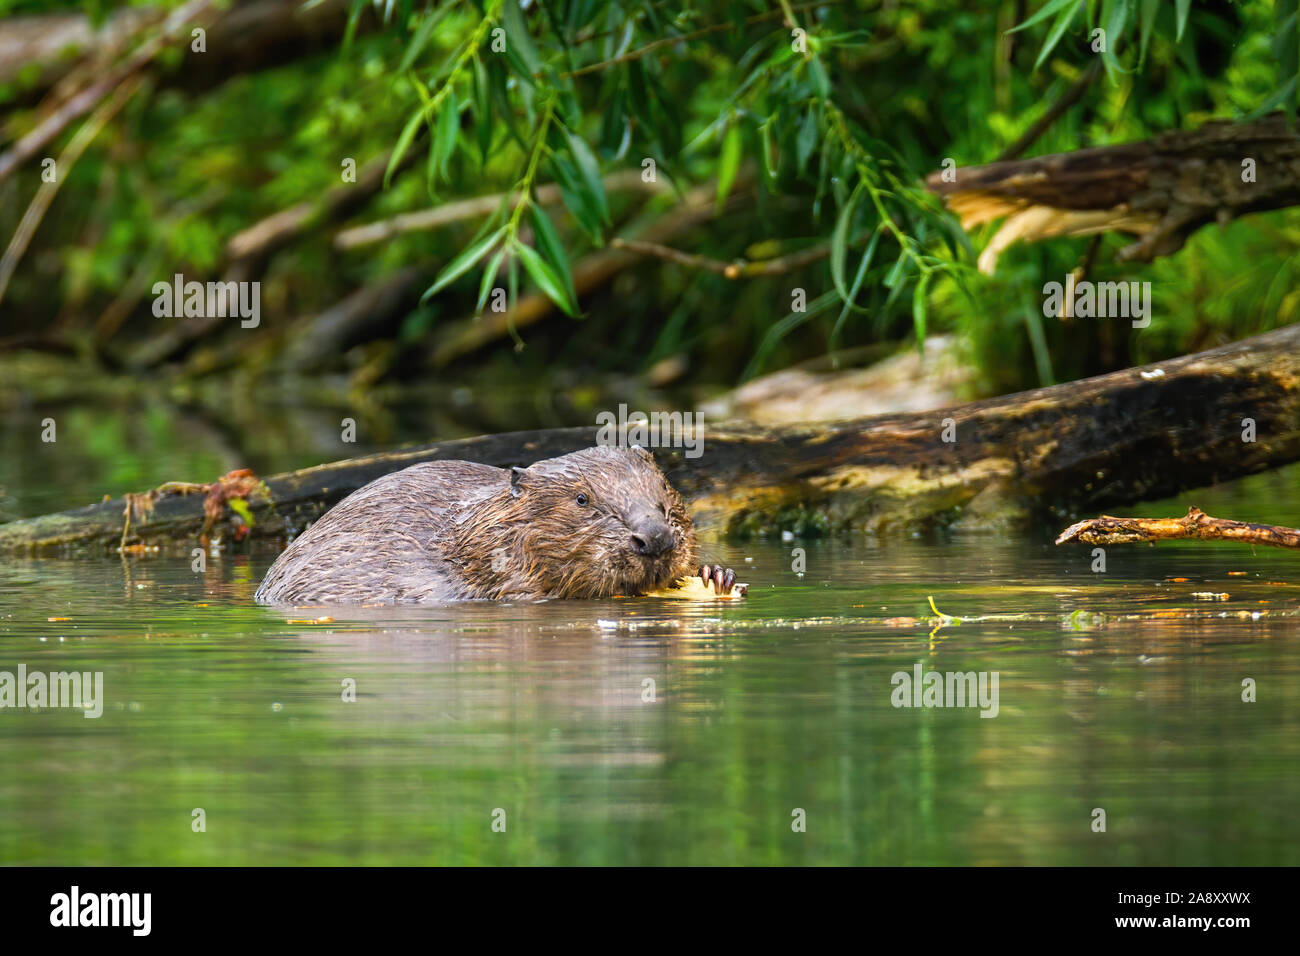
pixel 596 523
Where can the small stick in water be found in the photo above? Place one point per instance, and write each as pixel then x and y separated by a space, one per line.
pixel 1196 525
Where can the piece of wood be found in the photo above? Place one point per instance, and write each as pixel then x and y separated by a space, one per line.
pixel 1133 435
pixel 1196 525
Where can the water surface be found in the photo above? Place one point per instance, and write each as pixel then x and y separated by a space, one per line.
pixel 666 732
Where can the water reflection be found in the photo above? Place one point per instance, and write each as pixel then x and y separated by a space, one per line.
pixel 642 731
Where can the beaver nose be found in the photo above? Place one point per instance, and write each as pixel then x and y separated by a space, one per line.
pixel 652 537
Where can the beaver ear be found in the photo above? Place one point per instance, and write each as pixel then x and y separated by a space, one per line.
pixel 642 452
pixel 516 483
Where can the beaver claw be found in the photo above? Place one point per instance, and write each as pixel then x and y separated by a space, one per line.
pixel 722 579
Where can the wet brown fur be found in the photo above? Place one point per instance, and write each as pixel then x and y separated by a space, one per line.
pixel 454 530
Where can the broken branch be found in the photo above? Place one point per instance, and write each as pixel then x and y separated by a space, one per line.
pixel 1161 190
pixel 1197 525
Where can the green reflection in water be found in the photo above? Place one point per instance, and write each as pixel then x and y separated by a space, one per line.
pixel 760 707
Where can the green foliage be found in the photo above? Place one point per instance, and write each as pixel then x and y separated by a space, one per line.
pixel 756 83
pixel 806 140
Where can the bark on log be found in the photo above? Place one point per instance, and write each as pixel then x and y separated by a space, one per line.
pixel 1161 190
pixel 1120 438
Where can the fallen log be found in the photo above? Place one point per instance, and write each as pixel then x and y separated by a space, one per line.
pixel 1132 435
pixel 1195 525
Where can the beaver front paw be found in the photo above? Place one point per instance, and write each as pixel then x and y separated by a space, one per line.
pixel 722 579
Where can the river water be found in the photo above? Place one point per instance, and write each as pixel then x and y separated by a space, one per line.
pixel 652 731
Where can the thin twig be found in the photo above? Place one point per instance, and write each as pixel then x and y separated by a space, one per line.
pixel 1072 96
pixel 1080 274
pixel 738 269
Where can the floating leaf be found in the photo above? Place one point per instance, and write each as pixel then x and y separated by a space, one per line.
pixel 240 507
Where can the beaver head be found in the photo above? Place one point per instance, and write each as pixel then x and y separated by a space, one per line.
pixel 591 524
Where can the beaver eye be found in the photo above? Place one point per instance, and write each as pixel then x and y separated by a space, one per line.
pixel 582 500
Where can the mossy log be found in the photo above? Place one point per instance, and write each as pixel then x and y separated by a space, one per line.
pixel 1053 453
